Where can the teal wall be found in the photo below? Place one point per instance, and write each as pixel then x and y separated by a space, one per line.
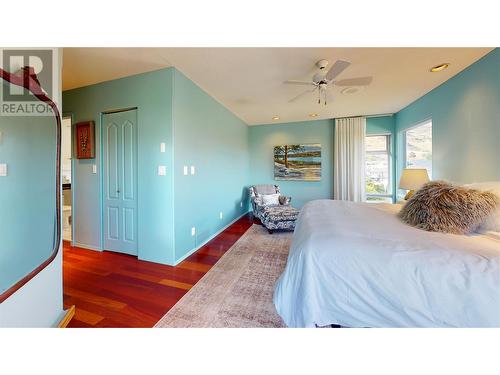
pixel 465 112
pixel 27 195
pixel 198 132
pixel 151 93
pixel 262 140
pixel 214 141
pixel 380 125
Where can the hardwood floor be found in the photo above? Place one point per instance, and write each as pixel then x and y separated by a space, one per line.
pixel 117 290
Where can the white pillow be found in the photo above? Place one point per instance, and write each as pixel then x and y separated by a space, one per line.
pixel 270 199
pixel 492 223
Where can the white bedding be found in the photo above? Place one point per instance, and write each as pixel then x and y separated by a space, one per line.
pixel 357 265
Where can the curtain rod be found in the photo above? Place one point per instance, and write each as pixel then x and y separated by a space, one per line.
pixel 367 116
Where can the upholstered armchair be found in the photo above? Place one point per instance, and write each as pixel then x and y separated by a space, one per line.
pixel 256 193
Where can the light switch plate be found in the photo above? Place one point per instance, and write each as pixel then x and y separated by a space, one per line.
pixel 185 170
pixel 3 170
pixel 162 147
pixel 162 170
pixel 193 231
pixel 94 168
pixel 192 169
pixel 220 215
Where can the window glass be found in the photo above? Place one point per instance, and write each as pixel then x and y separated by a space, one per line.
pixel 378 168
pixel 419 147
pixel 376 143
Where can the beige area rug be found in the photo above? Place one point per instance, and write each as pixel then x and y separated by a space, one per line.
pixel 238 291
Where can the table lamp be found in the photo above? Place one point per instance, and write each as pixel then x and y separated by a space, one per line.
pixel 412 179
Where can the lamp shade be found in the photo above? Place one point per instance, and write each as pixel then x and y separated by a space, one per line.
pixel 413 179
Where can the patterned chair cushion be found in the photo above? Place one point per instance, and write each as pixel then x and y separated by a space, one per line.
pixel 279 217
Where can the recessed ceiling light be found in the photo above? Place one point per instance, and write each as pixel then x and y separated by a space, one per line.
pixel 276 118
pixel 313 115
pixel 439 67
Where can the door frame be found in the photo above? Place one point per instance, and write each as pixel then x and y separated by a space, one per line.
pixel 100 166
pixel 71 116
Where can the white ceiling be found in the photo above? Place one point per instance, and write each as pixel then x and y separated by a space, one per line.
pixel 249 81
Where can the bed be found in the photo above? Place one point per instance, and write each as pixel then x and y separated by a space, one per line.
pixel 358 265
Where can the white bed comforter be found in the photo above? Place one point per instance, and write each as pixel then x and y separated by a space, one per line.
pixel 358 265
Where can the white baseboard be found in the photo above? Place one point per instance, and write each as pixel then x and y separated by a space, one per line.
pixel 176 262
pixel 83 246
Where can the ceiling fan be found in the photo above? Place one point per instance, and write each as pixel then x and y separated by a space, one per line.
pixel 322 81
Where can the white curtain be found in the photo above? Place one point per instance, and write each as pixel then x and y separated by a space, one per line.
pixel 349 168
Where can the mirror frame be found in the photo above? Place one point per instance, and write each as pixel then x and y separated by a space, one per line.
pixel 27 78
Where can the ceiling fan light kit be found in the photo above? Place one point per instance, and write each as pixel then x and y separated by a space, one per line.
pixel 322 64
pixel 322 82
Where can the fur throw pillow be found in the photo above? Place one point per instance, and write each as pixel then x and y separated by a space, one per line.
pixel 442 207
pixel 492 223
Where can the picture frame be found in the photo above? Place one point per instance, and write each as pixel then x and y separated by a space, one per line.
pixel 297 162
pixel 85 140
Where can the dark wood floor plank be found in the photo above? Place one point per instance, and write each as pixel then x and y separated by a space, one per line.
pixel 75 323
pixel 118 290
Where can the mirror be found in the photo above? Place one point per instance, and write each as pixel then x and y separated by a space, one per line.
pixel 30 221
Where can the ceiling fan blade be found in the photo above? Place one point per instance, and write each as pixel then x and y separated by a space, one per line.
pixel 359 81
pixel 336 69
pixel 295 82
pixel 301 95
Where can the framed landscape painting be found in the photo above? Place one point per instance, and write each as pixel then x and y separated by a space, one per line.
pixel 297 162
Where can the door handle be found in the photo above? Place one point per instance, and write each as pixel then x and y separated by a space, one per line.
pixel 118 191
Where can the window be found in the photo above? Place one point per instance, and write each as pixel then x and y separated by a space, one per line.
pixel 378 168
pixel 418 145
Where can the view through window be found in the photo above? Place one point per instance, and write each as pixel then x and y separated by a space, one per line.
pixel 419 147
pixel 378 168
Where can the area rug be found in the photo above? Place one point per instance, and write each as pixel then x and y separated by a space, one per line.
pixel 238 291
